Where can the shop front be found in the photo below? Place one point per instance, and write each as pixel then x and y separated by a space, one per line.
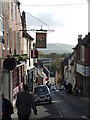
pixel 31 77
pixel 83 78
pixel 17 81
pixel 13 82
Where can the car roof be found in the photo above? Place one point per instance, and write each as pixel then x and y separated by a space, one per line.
pixel 40 86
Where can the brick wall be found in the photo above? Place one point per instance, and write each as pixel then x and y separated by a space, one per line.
pixel 87 54
pixel 13 25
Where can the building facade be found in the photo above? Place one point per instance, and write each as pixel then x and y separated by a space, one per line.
pixel 13 45
pixel 71 70
pixel 82 57
pixel 1 36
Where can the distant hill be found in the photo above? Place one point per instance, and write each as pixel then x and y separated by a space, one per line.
pixel 57 48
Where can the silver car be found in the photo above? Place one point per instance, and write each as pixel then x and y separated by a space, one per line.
pixel 42 94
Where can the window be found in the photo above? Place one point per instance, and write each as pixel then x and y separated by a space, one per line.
pixel 12 42
pixel 11 8
pixel 1 7
pixel 7 34
pixel 16 43
pixel 82 53
pixel 20 42
pixel 16 12
pixel 3 33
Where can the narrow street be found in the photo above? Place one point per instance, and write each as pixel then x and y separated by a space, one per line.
pixel 63 106
pixel 45 42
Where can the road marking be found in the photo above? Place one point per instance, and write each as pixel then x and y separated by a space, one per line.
pixel 55 101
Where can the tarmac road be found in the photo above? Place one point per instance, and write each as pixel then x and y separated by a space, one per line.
pixel 70 106
pixel 63 106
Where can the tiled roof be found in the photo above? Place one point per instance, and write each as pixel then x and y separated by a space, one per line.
pixel 86 40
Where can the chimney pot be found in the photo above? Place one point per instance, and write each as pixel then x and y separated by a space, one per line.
pixel 79 38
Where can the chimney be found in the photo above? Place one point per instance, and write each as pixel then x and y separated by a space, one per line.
pixel 23 20
pixel 18 3
pixel 79 38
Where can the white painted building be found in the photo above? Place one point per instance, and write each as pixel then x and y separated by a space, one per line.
pixel 71 70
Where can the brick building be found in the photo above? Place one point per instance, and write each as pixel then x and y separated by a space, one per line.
pixel 82 56
pixel 13 45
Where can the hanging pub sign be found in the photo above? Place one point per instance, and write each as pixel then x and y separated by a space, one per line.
pixel 41 40
pixel 34 53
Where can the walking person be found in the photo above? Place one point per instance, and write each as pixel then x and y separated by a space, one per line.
pixel 24 103
pixel 77 91
pixel 7 109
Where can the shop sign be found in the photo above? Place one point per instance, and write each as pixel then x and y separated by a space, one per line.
pixel 80 69
pixel 15 90
pixel 83 70
pixel 34 53
pixel 15 82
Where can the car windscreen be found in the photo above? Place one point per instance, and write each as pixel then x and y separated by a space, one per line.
pixel 40 90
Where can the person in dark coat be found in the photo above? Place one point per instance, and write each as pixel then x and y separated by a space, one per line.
pixel 24 103
pixel 7 109
pixel 69 87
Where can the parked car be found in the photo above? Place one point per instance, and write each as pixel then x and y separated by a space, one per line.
pixel 52 88
pixel 42 94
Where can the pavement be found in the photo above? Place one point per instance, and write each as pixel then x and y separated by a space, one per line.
pixel 42 112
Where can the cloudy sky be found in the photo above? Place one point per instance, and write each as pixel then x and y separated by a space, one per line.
pixel 68 18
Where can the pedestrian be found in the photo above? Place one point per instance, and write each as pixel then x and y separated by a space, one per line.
pixel 24 103
pixel 69 88
pixel 65 88
pixel 77 91
pixel 7 109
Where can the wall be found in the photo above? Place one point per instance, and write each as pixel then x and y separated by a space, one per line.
pixel 13 25
pixel 5 89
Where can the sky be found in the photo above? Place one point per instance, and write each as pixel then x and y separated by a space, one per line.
pixel 68 19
